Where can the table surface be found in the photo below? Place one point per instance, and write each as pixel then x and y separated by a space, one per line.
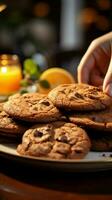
pixel 19 182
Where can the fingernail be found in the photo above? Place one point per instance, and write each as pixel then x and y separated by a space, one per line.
pixel 109 89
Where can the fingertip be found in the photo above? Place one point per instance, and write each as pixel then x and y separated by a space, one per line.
pixel 79 75
pixel 83 75
pixel 84 68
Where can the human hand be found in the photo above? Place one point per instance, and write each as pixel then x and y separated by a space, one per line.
pixel 95 67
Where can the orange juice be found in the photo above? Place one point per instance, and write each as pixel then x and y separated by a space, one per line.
pixel 10 74
pixel 10 78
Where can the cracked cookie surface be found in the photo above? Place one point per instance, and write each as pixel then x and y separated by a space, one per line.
pixel 32 107
pixel 100 120
pixel 79 97
pixel 59 140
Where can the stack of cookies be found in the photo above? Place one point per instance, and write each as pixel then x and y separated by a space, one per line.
pixel 10 127
pixel 88 107
pixel 55 125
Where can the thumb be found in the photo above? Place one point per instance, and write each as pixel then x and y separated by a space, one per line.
pixel 107 83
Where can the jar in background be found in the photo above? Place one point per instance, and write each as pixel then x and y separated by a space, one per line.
pixel 10 74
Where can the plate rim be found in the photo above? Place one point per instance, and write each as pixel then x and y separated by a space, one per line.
pixel 64 161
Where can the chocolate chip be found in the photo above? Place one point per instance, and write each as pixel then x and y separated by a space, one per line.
pixel 64 139
pixel 38 133
pixel 78 150
pixel 97 119
pixel 92 96
pixel 63 92
pixel 46 103
pixel 78 95
pixel 93 118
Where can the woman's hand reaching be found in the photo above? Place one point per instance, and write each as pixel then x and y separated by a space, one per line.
pixel 95 67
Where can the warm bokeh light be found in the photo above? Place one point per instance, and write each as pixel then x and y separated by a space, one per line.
pixel 2 7
pixel 104 4
pixel 88 16
pixel 3 69
pixel 41 9
pixel 4 62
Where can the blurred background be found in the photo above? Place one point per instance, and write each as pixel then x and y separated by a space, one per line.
pixel 52 32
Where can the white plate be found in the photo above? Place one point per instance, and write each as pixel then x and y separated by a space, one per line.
pixel 94 161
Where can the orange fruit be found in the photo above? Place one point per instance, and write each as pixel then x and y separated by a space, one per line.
pixel 55 76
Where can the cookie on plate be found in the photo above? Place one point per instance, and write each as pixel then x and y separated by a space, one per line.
pixel 79 97
pixel 57 140
pixel 32 107
pixel 10 127
pixel 100 120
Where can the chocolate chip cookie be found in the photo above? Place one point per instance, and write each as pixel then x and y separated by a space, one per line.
pixel 32 107
pixel 57 140
pixel 10 127
pixel 79 97
pixel 100 120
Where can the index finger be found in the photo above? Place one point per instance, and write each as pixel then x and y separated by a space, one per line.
pixel 84 69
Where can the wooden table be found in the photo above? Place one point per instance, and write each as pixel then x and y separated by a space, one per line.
pixel 21 182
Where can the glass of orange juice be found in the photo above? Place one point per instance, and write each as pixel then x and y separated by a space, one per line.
pixel 10 74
